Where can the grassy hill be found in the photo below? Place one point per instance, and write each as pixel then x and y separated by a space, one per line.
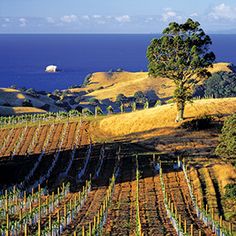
pixel 8 111
pixel 11 102
pixel 163 116
pixel 105 86
pixel 156 127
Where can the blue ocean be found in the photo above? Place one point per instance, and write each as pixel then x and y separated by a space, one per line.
pixel 23 58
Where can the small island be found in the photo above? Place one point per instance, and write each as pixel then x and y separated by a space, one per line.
pixel 51 69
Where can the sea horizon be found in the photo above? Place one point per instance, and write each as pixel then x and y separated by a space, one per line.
pixel 24 57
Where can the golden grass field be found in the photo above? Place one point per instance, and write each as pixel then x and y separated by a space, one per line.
pixel 163 116
pixel 15 97
pixel 106 86
pixel 19 110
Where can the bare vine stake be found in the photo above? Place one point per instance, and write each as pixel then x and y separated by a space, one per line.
pixel 26 229
pixel 83 231
pixel 191 229
pixel 65 214
pixel 180 221
pixel 39 227
pixel 185 226
pixel 59 220
pixel 7 228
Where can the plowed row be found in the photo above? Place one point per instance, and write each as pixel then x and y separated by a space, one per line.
pixel 14 137
pixel 121 215
pixel 178 191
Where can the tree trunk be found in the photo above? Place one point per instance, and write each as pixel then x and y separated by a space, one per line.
pixel 180 111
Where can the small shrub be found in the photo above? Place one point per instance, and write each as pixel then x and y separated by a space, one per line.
pixel 93 101
pixel 27 103
pixel 134 106
pixel 87 112
pixel 230 191
pixel 121 98
pixel 122 108
pixel 199 123
pixel 110 110
pixel 140 97
pixel 73 86
pixel 99 88
pixel 77 99
pixel 31 92
pixel 98 111
pixel 158 103
pixel 45 107
pixel 23 89
pixel 57 93
pixel 170 101
pixel 227 145
pixel 87 80
pixel 13 86
pixel 72 102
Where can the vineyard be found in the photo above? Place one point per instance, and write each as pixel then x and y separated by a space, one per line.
pixel 55 180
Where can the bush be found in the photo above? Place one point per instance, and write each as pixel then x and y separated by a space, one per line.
pixel 90 90
pixel 73 86
pixel 230 191
pixel 99 88
pixel 32 92
pixel 227 145
pixel 13 86
pixel 98 111
pixel 23 89
pixel 121 98
pixel 27 103
pixel 57 93
pixel 170 101
pixel 72 102
pixel 87 80
pixel 140 97
pixel 199 123
pixel 158 103
pixel 77 99
pixel 93 101
pixel 220 85
pixel 87 112
pixel 110 110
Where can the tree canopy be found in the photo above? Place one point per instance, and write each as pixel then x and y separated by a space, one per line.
pixel 182 55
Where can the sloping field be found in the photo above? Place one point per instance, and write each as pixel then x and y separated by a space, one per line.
pixel 209 179
pixel 8 111
pixel 14 98
pixel 108 85
pixel 162 117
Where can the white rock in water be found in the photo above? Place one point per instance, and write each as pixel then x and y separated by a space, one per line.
pixel 51 68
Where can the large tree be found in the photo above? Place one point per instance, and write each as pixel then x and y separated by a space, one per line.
pixel 182 55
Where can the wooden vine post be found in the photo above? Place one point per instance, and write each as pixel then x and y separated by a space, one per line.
pixel 59 220
pixel 50 224
pixel 26 230
pixel 185 226
pixel 191 229
pixel 65 215
pixel 83 231
pixel 7 227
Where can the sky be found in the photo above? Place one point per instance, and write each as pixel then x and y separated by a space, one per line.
pixel 113 16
